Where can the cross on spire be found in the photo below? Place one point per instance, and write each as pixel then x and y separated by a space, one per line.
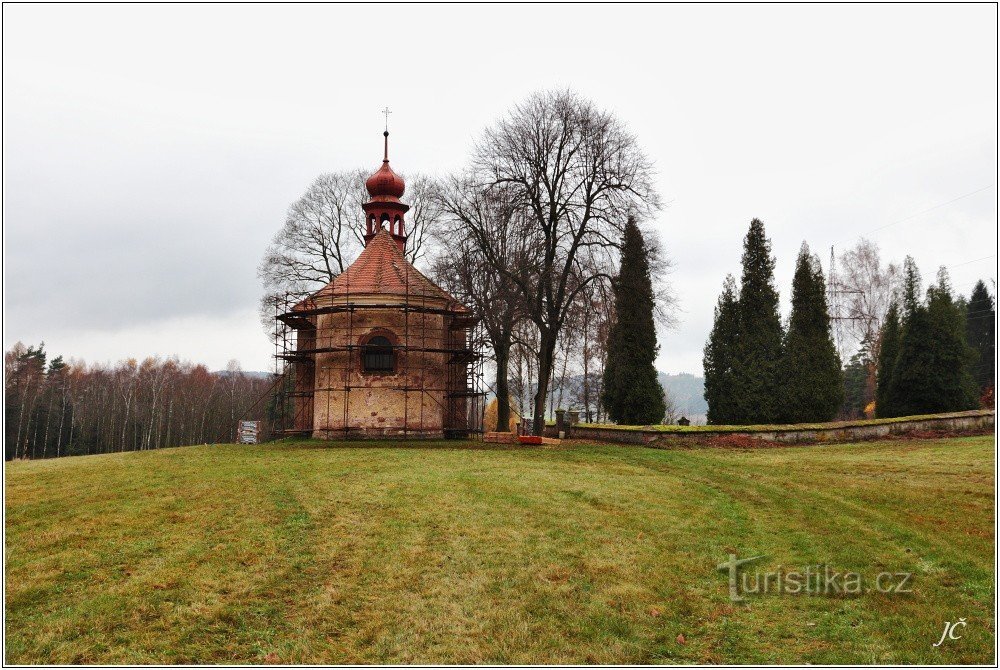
pixel 387 112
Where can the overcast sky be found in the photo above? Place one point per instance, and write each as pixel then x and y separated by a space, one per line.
pixel 151 151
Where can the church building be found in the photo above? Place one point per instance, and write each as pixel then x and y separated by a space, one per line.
pixel 382 351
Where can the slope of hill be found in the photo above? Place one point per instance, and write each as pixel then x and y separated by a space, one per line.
pixel 687 392
pixel 300 553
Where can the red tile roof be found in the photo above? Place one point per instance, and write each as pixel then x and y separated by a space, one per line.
pixel 381 268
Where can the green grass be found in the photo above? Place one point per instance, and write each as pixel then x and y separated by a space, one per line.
pixel 434 554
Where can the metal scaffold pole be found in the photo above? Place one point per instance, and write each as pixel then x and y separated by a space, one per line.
pixel 322 338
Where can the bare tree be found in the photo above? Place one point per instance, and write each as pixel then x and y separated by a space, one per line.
pixel 566 342
pixel 862 290
pixel 233 373
pixel 577 174
pixel 323 234
pixel 596 316
pixel 425 215
pixel 673 413
pixel 660 267
pixel 461 266
pixel 524 359
pixel 129 406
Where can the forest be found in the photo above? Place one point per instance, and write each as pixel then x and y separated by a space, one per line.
pixel 56 407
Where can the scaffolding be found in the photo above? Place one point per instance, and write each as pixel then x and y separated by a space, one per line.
pixel 318 354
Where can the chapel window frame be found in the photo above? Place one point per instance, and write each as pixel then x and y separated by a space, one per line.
pixel 378 355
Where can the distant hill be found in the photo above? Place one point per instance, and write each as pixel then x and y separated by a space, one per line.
pixel 687 392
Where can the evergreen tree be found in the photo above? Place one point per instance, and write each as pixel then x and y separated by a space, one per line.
pixel 812 380
pixel 954 358
pixel 980 328
pixel 855 384
pixel 890 395
pixel 888 354
pixel 756 374
pixel 913 364
pixel 720 352
pixel 932 373
pixel 911 286
pixel 631 391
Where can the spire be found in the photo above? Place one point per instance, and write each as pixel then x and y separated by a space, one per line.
pixel 385 210
pixel 385 156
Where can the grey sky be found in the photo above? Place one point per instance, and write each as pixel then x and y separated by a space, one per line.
pixel 150 151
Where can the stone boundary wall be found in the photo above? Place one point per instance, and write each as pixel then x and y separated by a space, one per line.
pixel 971 421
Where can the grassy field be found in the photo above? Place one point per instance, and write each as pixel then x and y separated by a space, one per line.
pixel 437 554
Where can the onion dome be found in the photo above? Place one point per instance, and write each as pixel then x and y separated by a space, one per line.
pixel 385 183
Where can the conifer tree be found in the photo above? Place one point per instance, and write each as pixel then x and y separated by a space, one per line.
pixel 890 391
pixel 720 353
pixel 812 380
pixel 631 391
pixel 911 286
pixel 980 328
pixel 756 376
pixel 913 364
pixel 855 384
pixel 932 372
pixel 888 353
pixel 954 358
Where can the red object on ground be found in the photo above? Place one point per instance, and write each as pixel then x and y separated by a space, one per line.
pixel 529 439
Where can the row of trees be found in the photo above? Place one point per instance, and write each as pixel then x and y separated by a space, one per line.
pixel 529 233
pixel 926 363
pixel 59 408
pixel 915 353
pixel 864 293
pixel 756 371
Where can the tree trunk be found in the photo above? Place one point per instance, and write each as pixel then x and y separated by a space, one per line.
pixel 170 422
pixel 62 420
pixel 546 354
pixel 20 418
pixel 586 367
pixel 27 429
pixel 562 374
pixel 48 423
pixel 72 424
pixel 503 389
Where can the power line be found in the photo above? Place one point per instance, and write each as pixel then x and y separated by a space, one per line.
pixel 975 260
pixel 931 209
pixel 924 211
